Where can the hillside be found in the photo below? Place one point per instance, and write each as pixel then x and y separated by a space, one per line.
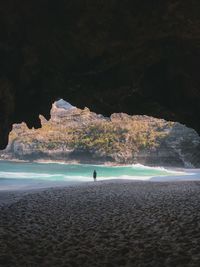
pixel 74 134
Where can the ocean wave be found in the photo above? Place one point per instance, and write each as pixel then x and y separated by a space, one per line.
pixel 135 166
pixel 61 177
pixel 157 168
pixel 52 162
pixel 24 175
pixel 65 174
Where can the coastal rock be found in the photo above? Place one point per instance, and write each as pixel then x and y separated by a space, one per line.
pixel 74 134
pixel 139 57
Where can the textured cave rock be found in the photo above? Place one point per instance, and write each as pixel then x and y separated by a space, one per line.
pixel 135 56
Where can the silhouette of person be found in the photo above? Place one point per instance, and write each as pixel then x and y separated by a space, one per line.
pixel 95 175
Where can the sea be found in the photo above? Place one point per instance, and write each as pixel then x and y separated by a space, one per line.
pixel 23 175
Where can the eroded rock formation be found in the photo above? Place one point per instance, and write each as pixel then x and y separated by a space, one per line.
pixel 83 136
pixel 133 56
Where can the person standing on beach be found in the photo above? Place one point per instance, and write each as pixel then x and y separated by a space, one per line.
pixel 95 175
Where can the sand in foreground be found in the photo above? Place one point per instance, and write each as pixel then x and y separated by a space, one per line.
pixel 104 224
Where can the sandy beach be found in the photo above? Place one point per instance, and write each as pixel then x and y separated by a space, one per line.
pixel 113 223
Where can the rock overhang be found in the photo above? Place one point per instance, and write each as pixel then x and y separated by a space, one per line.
pixel 136 57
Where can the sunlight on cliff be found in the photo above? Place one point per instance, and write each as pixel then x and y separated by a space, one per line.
pixel 84 136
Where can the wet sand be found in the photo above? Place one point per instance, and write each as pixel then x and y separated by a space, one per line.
pixel 113 223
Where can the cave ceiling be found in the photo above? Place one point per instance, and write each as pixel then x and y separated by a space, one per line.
pixel 133 56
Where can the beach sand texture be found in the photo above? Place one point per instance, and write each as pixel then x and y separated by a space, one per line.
pixel 104 224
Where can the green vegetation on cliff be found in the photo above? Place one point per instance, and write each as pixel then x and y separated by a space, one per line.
pixel 85 136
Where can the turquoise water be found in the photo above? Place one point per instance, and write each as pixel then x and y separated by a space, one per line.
pixel 29 172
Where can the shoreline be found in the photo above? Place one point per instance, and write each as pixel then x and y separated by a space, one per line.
pixel 8 196
pixel 75 162
pixel 28 184
pixel 43 185
pixel 179 170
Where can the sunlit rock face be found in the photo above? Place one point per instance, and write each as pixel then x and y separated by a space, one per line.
pixel 74 134
pixel 138 57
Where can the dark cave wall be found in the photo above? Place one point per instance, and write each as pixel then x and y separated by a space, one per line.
pixel 139 57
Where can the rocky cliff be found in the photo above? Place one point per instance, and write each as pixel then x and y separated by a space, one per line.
pixel 84 136
pixel 131 56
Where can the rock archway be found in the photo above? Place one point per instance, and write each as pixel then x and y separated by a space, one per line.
pixel 139 57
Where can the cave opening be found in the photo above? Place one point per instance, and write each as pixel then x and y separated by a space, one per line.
pixel 99 106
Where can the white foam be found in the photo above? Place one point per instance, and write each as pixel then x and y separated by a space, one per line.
pixel 65 177
pixel 157 168
pixel 26 175
pixel 47 176
pixel 102 178
pixel 136 166
pixel 52 162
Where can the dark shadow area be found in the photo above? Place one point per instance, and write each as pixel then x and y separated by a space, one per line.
pixel 139 57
